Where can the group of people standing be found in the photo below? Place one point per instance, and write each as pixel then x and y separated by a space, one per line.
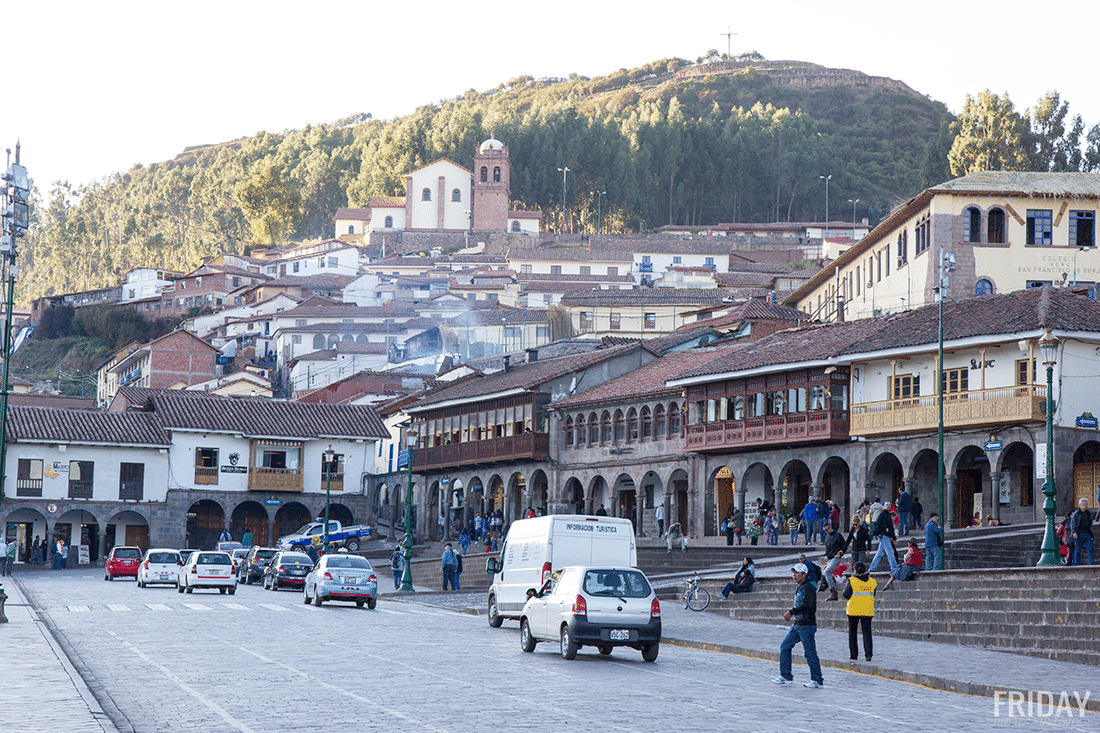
pixel 40 553
pixel 1077 537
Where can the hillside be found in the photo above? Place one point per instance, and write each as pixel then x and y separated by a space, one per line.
pixel 671 142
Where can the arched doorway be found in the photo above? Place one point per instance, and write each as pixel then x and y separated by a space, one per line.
pixel 341 514
pixel 1017 490
pixel 496 494
pixel 539 492
pixel 125 528
pixel 1086 474
pixel 597 495
pixel 434 513
pixel 971 478
pixel 653 495
pixel 719 501
pixel 290 517
pixel 574 496
pixel 78 527
pixel 250 517
pixel 794 487
pixel 23 526
pixel 886 477
pixel 515 501
pixel 205 522
pixel 926 483
pixel 758 487
pixel 626 502
pixel 835 480
pixel 678 500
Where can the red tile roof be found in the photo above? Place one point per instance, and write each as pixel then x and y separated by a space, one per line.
pixel 647 381
pixel 89 427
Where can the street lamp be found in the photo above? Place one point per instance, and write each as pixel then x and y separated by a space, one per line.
pixel 330 456
pixel 826 179
pixel 599 210
pixel 1079 249
pixel 853 202
pixel 406 577
pixel 947 266
pixel 1048 347
pixel 564 173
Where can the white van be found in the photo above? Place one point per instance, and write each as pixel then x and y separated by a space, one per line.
pixel 538 546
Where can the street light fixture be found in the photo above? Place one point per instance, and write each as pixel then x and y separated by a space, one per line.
pixel 1079 250
pixel 406 578
pixel 564 173
pixel 826 179
pixel 853 202
pixel 1048 347
pixel 329 457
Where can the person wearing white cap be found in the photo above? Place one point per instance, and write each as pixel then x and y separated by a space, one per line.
pixel 803 618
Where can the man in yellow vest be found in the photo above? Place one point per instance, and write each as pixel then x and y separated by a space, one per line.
pixel 860 593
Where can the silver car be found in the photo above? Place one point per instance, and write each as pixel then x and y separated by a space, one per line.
pixel 342 577
pixel 604 607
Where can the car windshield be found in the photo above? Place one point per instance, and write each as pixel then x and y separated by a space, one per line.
pixel 127 552
pixel 264 554
pixel 351 561
pixel 295 559
pixel 213 558
pixel 624 583
pixel 164 557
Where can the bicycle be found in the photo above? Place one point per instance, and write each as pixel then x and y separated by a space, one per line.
pixel 695 598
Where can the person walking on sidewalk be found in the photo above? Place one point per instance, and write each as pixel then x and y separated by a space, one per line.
pixel 882 528
pixel 1080 529
pixel 738 523
pixel 3 556
pixel 859 539
pixel 860 592
pixel 397 565
pixel 449 564
pixel 660 517
pixel 10 552
pixel 803 618
pixel 834 551
pixel 933 543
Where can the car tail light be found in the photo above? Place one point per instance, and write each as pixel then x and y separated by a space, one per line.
pixel 372 579
pixel 545 572
pixel 194 568
pixel 580 608
pixel 146 564
pixel 655 609
pixel 281 569
pixel 328 576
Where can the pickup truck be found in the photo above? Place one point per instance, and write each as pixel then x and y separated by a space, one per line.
pixel 314 534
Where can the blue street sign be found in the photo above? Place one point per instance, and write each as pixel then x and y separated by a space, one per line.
pixel 993 445
pixel 402 458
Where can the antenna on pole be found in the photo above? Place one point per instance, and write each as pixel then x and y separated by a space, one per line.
pixel 728 36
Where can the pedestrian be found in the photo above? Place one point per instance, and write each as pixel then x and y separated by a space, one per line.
pixel 771 528
pixel 530 513
pixel 915 513
pixel 3 556
pixel 905 507
pixel 834 551
pixel 882 529
pixel 675 538
pixel 743 580
pixel 860 592
pixel 859 539
pixel 793 524
pixel 458 572
pixel 464 542
pixel 803 617
pixel 247 539
pixel 834 516
pixel 933 543
pixel 36 551
pixel 660 515
pixel 754 532
pixel 809 515
pixel 727 527
pixel 601 512
pixel 56 547
pixel 449 564
pixel 397 565
pixel 813 572
pixel 442 529
pixel 1080 529
pixel 910 566
pixel 225 536
pixel 64 554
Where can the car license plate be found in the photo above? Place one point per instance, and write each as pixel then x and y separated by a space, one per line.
pixel 620 635
pixel 351 581
pixel 162 576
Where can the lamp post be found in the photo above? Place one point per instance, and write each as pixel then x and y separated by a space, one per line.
pixel 826 179
pixel 853 202
pixel 564 174
pixel 1079 250
pixel 1048 347
pixel 406 577
pixel 947 266
pixel 329 456
pixel 599 210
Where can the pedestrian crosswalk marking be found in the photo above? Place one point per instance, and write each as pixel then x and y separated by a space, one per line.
pixel 235 606
pixel 273 607
pixel 117 607
pixel 79 609
pixel 197 606
pixel 158 607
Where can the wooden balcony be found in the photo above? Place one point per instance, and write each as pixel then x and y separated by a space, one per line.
pixel 776 430
pixel 274 479
pixel 979 408
pixel 525 447
pixel 206 475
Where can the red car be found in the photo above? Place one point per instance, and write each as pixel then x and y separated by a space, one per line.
pixel 121 562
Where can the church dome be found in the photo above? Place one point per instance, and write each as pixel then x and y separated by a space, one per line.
pixel 491 144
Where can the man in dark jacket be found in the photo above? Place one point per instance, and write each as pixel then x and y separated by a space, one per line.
pixel 1080 529
pixel 834 550
pixel 904 506
pixel 882 529
pixel 803 618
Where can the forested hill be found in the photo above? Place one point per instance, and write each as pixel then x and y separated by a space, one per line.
pixel 671 142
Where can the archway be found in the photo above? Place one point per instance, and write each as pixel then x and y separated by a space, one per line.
pixel 626 499
pixel 205 522
pixel 720 501
pixel 434 513
pixel 971 478
pixel 78 527
pixel 514 501
pixel 290 517
pixel 653 495
pixel 885 478
pixel 794 487
pixel 1017 488
pixel 250 517
pixel 341 514
pixel 678 499
pixel 125 528
pixel 924 470
pixel 574 495
pixel 1086 473
pixel 539 494
pixel 758 487
pixel 496 495
pixel 835 480
pixel 597 495
pixel 475 498
pixel 23 526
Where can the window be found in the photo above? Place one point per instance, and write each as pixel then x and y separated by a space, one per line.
pixel 613 272
pixel 995 227
pixel 586 269
pixel 923 234
pixel 496 174
pixel 676 260
pixel 647 424
pixel 333 262
pixel 542 333
pixel 296 339
pixel 1040 227
pixel 646 260
pixel 190 302
pixel 182 284
pixel 456 195
pixel 80 479
pixel 569 432
pixel 389 222
pixel 605 427
pixel 515 226
pixel 582 432
pixel 280 458
pixel 555 269
pixel 1082 231
pixel 659 421
pixel 984 286
pixel 709 263
pixel 351 229
pixel 29 478
pixel 332 472
pixel 955 381
pixel 674 420
pixel 632 426
pixel 614 321
pixel 620 427
pixel 131 481
pixel 1036 283
pixel 525 269
pixel 972 224
pixel 1025 372
pixel 593 429
pixel 650 321
pixel 426 194
pixel 206 465
pixel 906 386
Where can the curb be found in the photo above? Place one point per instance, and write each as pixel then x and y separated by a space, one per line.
pixel 931 682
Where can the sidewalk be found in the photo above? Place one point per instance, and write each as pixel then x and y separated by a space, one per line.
pixel 38 676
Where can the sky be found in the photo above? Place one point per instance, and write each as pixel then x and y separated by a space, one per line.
pixel 103 86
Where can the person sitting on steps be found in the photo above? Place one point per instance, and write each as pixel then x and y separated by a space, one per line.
pixel 675 537
pixel 743 580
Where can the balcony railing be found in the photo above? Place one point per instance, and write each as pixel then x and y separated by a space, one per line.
pixel 274 479
pixel 336 483
pixel 527 446
pixel 132 490
pixel 795 428
pixel 206 475
pixel 80 489
pixel 28 487
pixel 960 409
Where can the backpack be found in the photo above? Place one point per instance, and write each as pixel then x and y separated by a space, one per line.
pixel 395 560
pixel 459 558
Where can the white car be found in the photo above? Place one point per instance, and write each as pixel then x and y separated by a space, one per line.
pixel 160 565
pixel 604 607
pixel 204 569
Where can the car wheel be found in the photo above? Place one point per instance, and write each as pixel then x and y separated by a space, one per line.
pixel 494 616
pixel 359 604
pixel 107 577
pixel 605 650
pixel 568 646
pixel 372 603
pixel 139 583
pixel 232 590
pixel 179 588
pixel 317 600
pixel 188 589
pixel 649 653
pixel 526 641
pixel 305 596
pixel 299 548
pixel 352 545
pixel 247 579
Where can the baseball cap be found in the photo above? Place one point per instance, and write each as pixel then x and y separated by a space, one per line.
pixel 799 568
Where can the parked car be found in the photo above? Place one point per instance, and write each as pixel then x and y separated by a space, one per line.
pixel 252 566
pixel 604 607
pixel 228 546
pixel 159 565
pixel 342 577
pixel 287 568
pixel 237 556
pixel 207 570
pixel 121 562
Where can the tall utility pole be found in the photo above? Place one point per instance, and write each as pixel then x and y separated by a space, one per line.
pixel 564 175
pixel 15 220
pixel 827 178
pixel 729 37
